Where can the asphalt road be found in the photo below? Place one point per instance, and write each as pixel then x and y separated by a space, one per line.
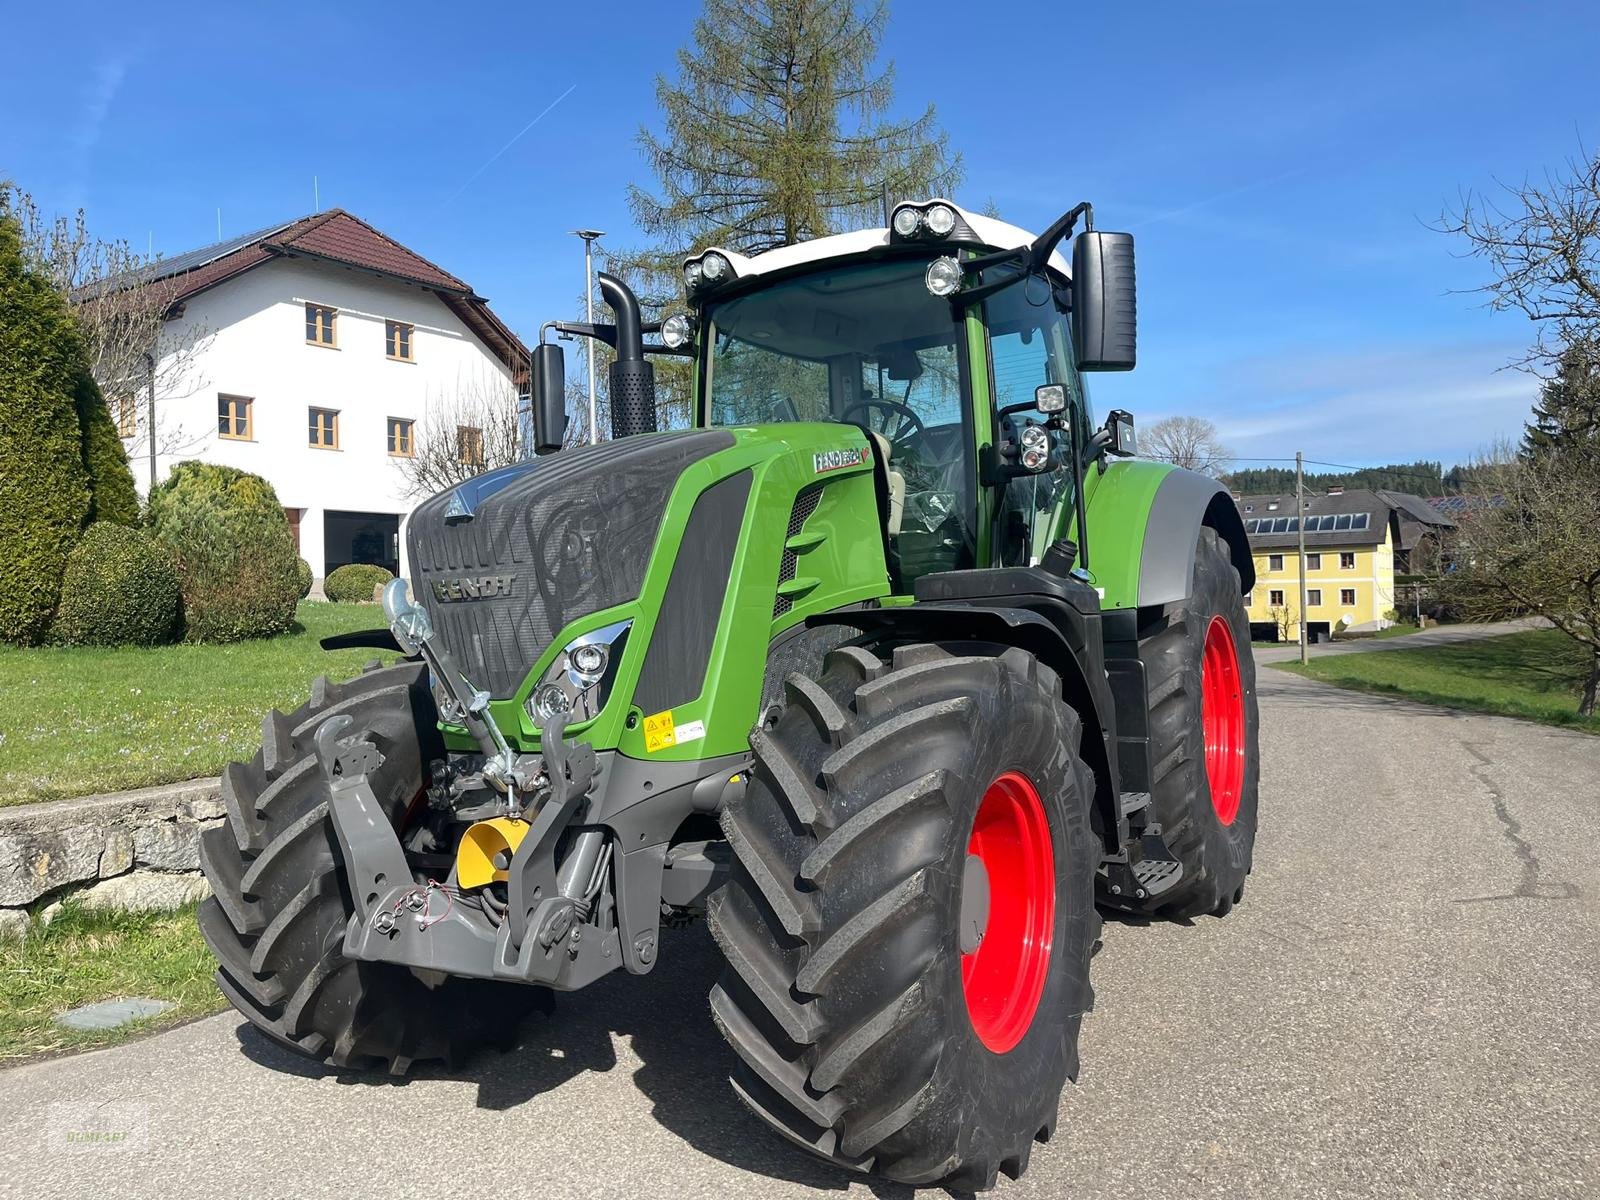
pixel 1407 1003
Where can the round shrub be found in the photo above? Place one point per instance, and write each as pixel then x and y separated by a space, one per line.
pixel 303 572
pixel 355 583
pixel 235 555
pixel 120 588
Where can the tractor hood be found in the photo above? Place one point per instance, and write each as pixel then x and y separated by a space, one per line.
pixel 502 569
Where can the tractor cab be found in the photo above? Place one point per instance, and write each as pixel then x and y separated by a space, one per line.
pixel 947 338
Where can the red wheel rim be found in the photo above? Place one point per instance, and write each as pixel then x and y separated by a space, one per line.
pixel 1222 719
pixel 1004 976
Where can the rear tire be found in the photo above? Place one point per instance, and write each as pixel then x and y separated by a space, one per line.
pixel 1204 736
pixel 862 1031
pixel 277 919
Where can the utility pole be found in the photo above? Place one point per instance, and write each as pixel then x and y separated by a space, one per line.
pixel 589 236
pixel 1300 529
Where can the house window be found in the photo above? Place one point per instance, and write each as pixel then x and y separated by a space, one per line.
pixel 1347 561
pixel 1249 599
pixel 401 444
pixel 469 445
pixel 1313 597
pixel 1275 598
pixel 320 323
pixel 233 418
pixel 1274 562
pixel 397 340
pixel 1347 597
pixel 1313 562
pixel 324 428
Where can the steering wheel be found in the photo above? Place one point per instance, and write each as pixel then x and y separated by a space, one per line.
pixel 907 424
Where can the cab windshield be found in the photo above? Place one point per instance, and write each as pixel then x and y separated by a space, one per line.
pixel 865 345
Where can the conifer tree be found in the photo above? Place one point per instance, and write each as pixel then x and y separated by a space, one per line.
pixel 777 129
pixel 1567 415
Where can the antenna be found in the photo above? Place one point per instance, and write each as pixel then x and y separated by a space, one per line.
pixel 219 224
pixel 316 196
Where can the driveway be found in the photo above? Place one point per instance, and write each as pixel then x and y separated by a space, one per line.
pixel 1438 635
pixel 1407 1003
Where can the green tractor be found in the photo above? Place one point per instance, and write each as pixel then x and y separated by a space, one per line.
pixel 893 666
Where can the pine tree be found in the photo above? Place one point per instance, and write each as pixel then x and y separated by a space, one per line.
pixel 776 129
pixel 1567 416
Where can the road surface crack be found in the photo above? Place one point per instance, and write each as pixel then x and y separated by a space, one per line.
pixel 1529 886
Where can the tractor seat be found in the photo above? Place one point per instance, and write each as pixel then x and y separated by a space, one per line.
pixel 897 482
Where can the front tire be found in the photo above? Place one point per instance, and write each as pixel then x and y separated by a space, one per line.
pixel 863 1031
pixel 276 920
pixel 1204 735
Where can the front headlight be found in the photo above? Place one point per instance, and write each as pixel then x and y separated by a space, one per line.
pixel 578 681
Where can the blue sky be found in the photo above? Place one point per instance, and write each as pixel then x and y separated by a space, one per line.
pixel 1277 167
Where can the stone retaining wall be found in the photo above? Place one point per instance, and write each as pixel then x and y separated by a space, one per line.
pixel 133 850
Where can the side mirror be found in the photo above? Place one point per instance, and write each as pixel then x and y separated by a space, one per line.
pixel 549 398
pixel 1103 306
pixel 1124 442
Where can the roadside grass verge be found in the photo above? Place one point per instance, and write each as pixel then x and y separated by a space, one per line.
pixel 76 720
pixel 1537 675
pixel 85 956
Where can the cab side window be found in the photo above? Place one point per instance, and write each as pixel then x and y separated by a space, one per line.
pixel 1029 345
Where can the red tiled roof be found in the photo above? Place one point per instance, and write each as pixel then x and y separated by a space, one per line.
pixel 337 236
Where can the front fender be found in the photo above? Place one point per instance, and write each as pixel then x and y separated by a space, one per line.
pixel 1144 521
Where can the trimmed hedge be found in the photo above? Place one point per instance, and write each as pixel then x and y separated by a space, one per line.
pixel 44 489
pixel 120 588
pixel 302 570
pixel 235 555
pixel 355 583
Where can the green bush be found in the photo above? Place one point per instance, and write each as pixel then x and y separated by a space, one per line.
pixel 120 588
pixel 44 489
pixel 302 570
pixel 235 554
pixel 355 583
pixel 111 492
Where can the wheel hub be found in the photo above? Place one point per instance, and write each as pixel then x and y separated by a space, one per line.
pixel 1008 910
pixel 1222 719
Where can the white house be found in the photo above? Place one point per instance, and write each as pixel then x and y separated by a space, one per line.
pixel 313 354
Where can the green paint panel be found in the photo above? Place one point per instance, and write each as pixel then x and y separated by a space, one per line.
pixel 1117 503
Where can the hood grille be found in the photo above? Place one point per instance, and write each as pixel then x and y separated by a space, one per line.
pixel 568 537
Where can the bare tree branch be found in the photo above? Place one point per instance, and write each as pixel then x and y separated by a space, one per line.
pixel 1188 442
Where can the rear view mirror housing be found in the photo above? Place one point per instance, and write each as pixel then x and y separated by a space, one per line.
pixel 549 398
pixel 1103 301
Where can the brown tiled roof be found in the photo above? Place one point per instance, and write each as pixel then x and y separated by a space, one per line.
pixel 340 237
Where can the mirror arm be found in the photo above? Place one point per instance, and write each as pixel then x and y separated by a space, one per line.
pixel 603 333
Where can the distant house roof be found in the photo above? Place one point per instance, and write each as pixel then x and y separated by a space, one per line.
pixel 341 238
pixel 1356 517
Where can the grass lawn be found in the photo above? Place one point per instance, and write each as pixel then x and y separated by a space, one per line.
pixel 79 720
pixel 1538 675
pixel 84 956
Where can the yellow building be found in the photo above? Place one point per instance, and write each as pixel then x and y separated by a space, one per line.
pixel 1355 542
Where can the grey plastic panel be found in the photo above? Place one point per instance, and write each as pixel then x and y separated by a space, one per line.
pixel 1166 564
